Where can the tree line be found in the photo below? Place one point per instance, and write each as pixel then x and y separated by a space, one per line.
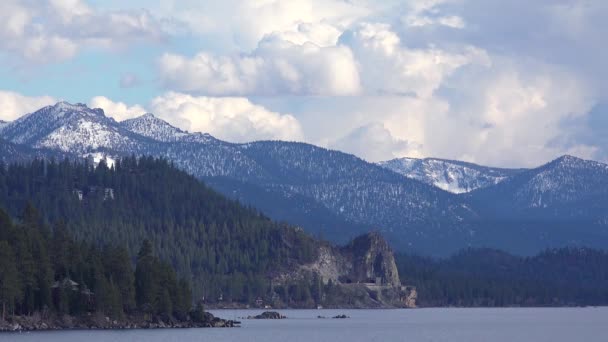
pixel 487 277
pixel 46 271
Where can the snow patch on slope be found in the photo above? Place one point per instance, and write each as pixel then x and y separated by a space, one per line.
pixel 452 176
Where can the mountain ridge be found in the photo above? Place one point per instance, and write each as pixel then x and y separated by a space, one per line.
pixel 450 175
pixel 334 194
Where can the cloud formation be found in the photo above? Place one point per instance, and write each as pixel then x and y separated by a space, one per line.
pixel 276 67
pixel 14 105
pixel 508 83
pixel 118 110
pixel 367 59
pixel 54 30
pixel 230 118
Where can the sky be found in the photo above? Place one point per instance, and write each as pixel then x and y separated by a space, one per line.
pixel 505 83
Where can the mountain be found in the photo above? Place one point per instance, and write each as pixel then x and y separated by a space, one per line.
pixel 450 175
pixel 226 250
pixel 71 128
pixel 12 153
pixel 150 126
pixel 338 196
pixel 567 188
pixel 327 192
pixel 2 124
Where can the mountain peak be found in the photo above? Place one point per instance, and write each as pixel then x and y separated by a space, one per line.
pixel 151 126
pixel 568 158
pixel 63 107
pixel 67 127
pixel 570 161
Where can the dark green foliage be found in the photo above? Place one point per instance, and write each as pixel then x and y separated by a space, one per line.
pixel 81 277
pixel 9 281
pixel 219 246
pixel 484 277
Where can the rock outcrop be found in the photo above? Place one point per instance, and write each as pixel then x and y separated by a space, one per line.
pixel 365 270
pixel 268 315
pixel 373 261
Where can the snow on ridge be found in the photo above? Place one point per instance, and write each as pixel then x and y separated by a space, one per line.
pixel 452 176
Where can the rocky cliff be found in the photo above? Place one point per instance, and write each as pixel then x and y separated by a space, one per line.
pixel 364 271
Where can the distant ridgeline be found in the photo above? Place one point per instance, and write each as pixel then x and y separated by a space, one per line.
pixel 229 253
pixel 486 277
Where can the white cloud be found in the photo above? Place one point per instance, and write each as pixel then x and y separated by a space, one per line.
pixel 242 24
pixel 230 118
pixel 422 13
pixel 118 110
pixel 370 59
pixel 276 67
pixel 14 105
pixel 233 119
pixel 372 142
pixel 54 30
pixel 509 115
pixel 387 66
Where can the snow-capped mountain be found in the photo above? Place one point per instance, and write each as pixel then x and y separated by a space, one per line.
pixel 566 188
pixel 152 127
pixel 70 128
pixel 340 195
pixel 306 182
pixel 450 175
pixel 2 124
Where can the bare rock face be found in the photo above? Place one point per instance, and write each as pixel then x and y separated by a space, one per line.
pixel 373 261
pixel 365 270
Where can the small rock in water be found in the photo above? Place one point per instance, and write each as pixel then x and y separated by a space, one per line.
pixel 268 315
pixel 340 317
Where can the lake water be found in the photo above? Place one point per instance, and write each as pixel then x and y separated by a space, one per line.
pixel 436 325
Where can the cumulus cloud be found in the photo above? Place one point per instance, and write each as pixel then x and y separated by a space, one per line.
pixel 483 81
pixel 233 119
pixel 118 110
pixel 14 105
pixel 276 67
pixel 217 21
pixel 516 115
pixel 230 118
pixel 387 66
pixel 54 30
pixel 372 142
pixel 369 59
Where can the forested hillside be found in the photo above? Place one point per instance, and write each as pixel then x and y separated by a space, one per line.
pixel 485 277
pixel 221 247
pixel 48 272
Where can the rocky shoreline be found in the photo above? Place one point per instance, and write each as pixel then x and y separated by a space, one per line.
pixel 99 322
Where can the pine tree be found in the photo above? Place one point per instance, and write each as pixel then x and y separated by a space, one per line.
pixel 9 281
pixel 146 277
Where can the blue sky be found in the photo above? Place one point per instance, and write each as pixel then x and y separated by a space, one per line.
pixel 506 83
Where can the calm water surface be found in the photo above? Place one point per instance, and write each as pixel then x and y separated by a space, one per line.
pixel 437 325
